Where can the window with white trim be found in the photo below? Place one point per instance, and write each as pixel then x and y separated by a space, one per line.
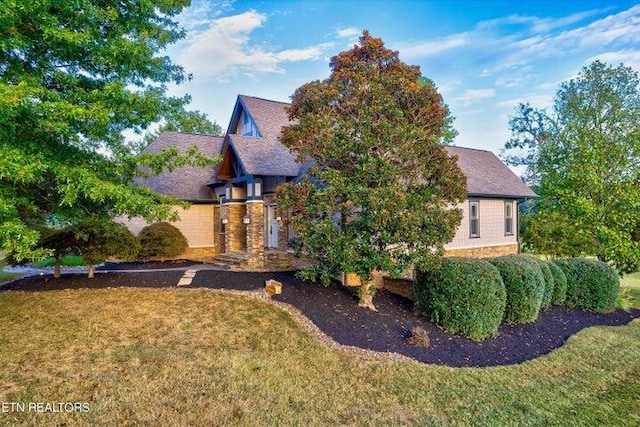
pixel 508 218
pixel 474 219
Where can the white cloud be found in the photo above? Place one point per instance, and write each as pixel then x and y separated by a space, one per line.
pixel 474 95
pixel 535 24
pixel 348 32
pixel 310 53
pixel 536 101
pixel 223 49
pixel 630 58
pixel 623 27
pixel 436 47
pixel 200 13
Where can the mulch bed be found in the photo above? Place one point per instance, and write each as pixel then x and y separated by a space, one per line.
pixel 101 280
pixel 334 310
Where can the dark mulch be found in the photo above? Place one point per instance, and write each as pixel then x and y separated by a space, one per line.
pixel 146 265
pixel 334 310
pixel 101 280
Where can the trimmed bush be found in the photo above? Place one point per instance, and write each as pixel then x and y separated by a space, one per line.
pixel 161 240
pixel 463 295
pixel 549 284
pixel 559 284
pixel 591 284
pixel 525 287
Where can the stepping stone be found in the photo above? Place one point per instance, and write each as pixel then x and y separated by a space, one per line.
pixel 184 281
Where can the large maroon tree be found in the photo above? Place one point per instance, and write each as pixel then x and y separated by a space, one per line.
pixel 382 191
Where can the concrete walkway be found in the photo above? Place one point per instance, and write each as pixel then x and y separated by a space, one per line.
pixel 34 271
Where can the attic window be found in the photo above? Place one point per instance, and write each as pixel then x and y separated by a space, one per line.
pixel 474 219
pixel 247 125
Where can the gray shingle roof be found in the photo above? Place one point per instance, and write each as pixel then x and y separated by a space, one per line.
pixel 265 155
pixel 487 175
pixel 260 157
pixel 269 116
pixel 187 183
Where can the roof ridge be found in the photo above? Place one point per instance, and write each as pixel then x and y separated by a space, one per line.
pixel 191 133
pixel 264 99
pixel 469 148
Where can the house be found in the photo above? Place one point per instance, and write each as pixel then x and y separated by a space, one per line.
pixel 234 210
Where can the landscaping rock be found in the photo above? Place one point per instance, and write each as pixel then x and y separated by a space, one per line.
pixel 273 287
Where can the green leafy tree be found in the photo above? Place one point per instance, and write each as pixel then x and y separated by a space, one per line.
pixel 379 194
pixel 73 76
pixel 584 157
pixel 60 241
pixel 98 240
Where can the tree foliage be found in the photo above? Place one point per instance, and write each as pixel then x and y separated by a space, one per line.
pixel 96 240
pixel 73 76
pixel 379 191
pixel 584 158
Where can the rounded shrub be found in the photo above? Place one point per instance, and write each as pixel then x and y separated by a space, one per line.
pixel 525 287
pixel 591 284
pixel 549 283
pixel 161 240
pixel 559 284
pixel 463 295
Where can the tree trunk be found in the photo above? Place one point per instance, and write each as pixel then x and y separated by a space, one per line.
pixel 91 270
pixel 367 291
pixel 57 271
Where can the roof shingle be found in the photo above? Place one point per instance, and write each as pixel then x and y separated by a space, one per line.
pixel 487 175
pixel 187 183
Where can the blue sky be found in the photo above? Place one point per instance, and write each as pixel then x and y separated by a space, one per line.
pixel 484 56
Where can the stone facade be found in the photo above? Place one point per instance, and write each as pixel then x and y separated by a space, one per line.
pixel 255 234
pixel 483 251
pixel 235 238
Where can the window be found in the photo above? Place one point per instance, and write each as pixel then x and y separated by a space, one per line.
pixel 474 219
pixel 508 218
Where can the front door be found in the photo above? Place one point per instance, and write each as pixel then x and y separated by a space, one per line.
pixel 271 227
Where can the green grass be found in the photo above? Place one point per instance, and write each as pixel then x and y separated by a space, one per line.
pixel 631 282
pixel 6 277
pixel 65 261
pixel 180 357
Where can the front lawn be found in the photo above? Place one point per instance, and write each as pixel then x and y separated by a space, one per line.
pixel 196 357
pixel 4 276
pixel 632 283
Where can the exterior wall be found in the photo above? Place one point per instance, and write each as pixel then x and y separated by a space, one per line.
pixel 235 239
pixel 196 224
pixel 491 214
pixel 255 233
pixel 484 251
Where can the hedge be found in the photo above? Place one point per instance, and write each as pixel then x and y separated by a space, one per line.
pixel 162 240
pixel 525 287
pixel 559 284
pixel 591 284
pixel 463 295
pixel 549 284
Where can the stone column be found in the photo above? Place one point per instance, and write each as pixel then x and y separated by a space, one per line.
pixel 235 230
pixel 255 233
pixel 218 236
